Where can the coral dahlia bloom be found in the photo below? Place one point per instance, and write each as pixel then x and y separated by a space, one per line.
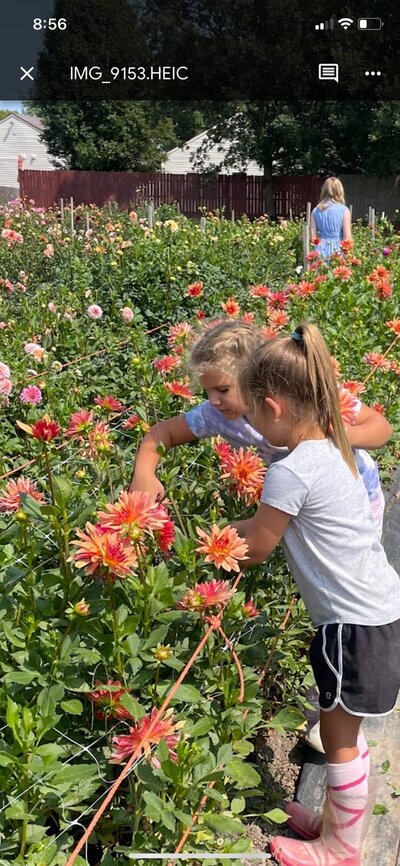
pixel 10 499
pixel 179 334
pixel 353 386
pixel 305 288
pixel 259 291
pixel 375 359
pixel 166 364
pixel 248 318
pixel 250 611
pixel 134 513
pixel 141 737
pixel 106 699
pixel 94 311
pixel 79 423
pixel 194 290
pixel 166 536
pixel 211 594
pixel 278 318
pixel 99 441
pixel 109 403
pixel 34 350
pixel 231 308
pixel 223 547
pixel 349 405
pixel 45 429
pixel 346 246
pixel 342 272
pixel 277 300
pixel 394 325
pixel 103 554
pixel 31 394
pixel 131 423
pixel 246 472
pixel 179 389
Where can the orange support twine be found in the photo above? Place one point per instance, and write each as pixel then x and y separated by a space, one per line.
pixel 216 622
pixel 205 797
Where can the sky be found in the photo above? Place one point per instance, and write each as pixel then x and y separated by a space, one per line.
pixel 10 106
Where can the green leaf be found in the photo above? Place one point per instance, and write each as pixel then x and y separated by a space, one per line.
pixel 74 707
pixel 63 490
pixel 277 816
pixel 186 694
pixel 385 766
pixel 242 774
pixel 288 719
pixel 202 726
pixel 223 823
pixel 31 506
pixel 21 677
pixel 380 809
pixel 237 805
pixel 132 705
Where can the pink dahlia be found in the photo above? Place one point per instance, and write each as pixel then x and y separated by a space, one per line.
pixel 10 498
pixel 94 311
pixel 127 314
pixel 31 394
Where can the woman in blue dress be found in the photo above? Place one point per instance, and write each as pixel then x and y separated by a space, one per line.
pixel 331 220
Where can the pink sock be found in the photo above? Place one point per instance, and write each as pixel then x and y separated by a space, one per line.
pixel 347 795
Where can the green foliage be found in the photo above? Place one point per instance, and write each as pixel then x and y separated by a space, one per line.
pixel 63 634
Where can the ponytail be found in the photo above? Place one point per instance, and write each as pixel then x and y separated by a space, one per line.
pixel 299 368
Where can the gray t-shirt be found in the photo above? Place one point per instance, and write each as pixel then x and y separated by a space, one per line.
pixel 336 558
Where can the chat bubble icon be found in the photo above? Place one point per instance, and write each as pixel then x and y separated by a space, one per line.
pixel 328 72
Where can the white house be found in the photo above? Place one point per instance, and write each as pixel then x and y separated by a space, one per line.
pixel 20 139
pixel 178 160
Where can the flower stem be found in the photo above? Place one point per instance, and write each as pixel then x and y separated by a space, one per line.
pixel 110 587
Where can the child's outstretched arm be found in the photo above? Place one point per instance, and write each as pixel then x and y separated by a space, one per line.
pixel 369 430
pixel 262 532
pixel 169 433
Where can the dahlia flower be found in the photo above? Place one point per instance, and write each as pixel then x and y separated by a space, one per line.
pixel 211 594
pixel 167 363
pixel 141 738
pixel 348 405
pixel 179 389
pixel 250 611
pixel 194 290
pixel 109 403
pixel 94 311
pixel 223 547
pixel 103 554
pixel 134 514
pixel 45 429
pixel 127 314
pixel 31 394
pixel 231 308
pixel 79 423
pixel 10 499
pixel 246 472
pixel 106 699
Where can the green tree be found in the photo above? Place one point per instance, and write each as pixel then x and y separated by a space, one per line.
pixel 308 138
pixel 105 136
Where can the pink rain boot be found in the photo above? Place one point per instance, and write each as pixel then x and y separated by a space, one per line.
pixel 307 823
pixel 343 827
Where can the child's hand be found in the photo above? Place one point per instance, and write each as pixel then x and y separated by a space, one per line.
pixel 148 484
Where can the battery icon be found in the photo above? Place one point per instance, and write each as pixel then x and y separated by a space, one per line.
pixel 370 23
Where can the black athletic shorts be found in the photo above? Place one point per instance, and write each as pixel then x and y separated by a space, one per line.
pixel 357 667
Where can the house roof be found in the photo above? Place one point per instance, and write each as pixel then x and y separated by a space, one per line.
pixel 30 119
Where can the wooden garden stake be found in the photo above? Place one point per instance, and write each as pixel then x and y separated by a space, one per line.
pixel 306 243
pixel 233 216
pixel 72 216
pixel 203 224
pixel 62 210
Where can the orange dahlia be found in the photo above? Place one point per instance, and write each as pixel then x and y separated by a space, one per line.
pixel 231 308
pixel 179 389
pixel 166 364
pixel 394 325
pixel 223 547
pixel 103 554
pixel 142 738
pixel 109 403
pixel 348 405
pixel 211 594
pixel 133 514
pixel 106 699
pixel 246 472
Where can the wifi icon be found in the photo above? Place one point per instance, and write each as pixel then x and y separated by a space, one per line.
pixel 345 23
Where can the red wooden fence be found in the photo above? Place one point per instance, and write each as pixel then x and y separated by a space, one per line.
pixel 237 192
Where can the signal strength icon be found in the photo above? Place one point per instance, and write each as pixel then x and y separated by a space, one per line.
pixel 345 23
pixel 325 25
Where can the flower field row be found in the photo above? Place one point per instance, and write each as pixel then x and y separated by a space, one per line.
pixel 105 594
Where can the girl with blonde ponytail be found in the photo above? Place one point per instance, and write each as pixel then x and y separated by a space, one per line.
pixel 314 501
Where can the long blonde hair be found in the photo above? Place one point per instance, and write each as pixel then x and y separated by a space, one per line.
pixel 227 345
pixel 331 190
pixel 298 367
